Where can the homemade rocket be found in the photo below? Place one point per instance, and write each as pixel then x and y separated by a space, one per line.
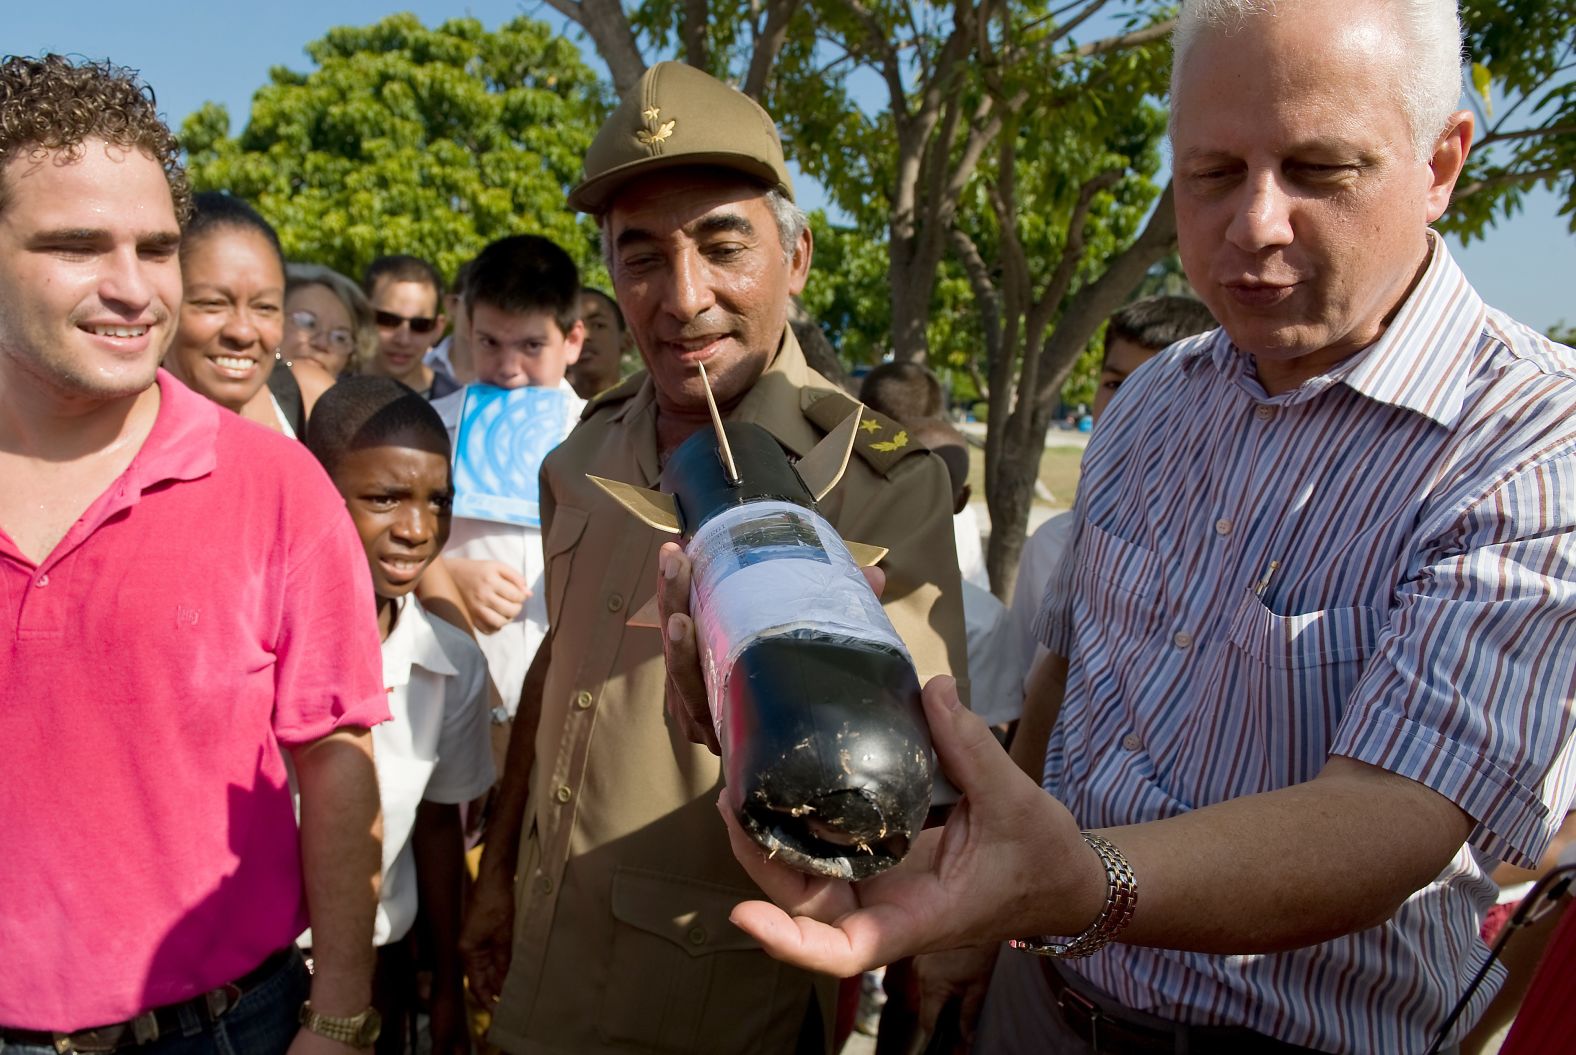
pixel 825 751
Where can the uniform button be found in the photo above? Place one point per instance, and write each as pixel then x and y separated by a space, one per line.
pixel 1132 742
pixel 614 602
pixel 1223 526
pixel 563 794
pixel 42 580
pixel 582 700
pixel 544 884
pixel 1264 412
pixel 697 935
pixel 1182 639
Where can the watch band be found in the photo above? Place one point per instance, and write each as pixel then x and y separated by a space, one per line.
pixel 1121 899
pixel 358 1031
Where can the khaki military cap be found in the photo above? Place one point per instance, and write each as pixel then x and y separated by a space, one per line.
pixel 678 115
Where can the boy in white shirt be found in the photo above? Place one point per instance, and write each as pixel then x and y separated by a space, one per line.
pixel 387 452
pixel 522 297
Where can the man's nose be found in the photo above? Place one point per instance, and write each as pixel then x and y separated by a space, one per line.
pixel 1262 217
pixel 689 291
pixel 124 283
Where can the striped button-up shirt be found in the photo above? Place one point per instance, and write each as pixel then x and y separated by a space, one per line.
pixel 1379 564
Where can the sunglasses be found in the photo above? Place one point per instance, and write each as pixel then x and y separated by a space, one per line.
pixel 339 339
pixel 418 324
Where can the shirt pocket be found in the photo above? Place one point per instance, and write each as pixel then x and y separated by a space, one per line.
pixel 558 550
pixel 1295 674
pixel 1122 589
pixel 682 978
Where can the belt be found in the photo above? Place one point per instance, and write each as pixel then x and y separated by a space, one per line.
pixel 1107 1026
pixel 156 1022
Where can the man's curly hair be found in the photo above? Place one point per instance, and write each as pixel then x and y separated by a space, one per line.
pixel 51 103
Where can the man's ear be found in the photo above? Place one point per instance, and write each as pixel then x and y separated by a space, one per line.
pixel 1450 155
pixel 574 340
pixel 799 262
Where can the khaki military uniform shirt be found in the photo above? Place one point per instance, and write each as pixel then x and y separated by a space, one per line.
pixel 622 941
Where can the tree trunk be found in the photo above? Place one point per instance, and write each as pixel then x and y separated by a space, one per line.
pixel 1011 489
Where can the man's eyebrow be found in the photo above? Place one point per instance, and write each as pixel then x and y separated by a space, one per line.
pixel 723 223
pixel 81 235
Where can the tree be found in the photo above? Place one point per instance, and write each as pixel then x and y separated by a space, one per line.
pixel 1058 240
pixel 1524 91
pixel 416 140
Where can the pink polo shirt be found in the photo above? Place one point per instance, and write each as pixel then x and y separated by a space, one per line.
pixel 211 608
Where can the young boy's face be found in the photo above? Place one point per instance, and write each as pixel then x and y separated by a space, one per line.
pixel 1122 357
pixel 515 349
pixel 399 495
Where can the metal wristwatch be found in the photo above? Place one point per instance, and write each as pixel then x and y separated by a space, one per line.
pixel 1121 898
pixel 359 1031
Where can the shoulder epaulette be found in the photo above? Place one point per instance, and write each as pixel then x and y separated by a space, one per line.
pixel 880 441
pixel 617 394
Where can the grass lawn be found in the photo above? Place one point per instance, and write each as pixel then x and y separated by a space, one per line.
pixel 1058 472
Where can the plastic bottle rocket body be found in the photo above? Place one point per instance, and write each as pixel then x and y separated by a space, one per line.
pixel 825 750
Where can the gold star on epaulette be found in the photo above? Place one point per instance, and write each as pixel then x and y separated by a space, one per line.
pixel 870 425
pixel 895 443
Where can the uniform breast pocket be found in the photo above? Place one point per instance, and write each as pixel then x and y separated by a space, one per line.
pixel 1294 674
pixel 558 550
pixel 684 979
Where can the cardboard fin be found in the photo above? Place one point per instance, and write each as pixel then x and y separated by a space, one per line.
pixel 650 507
pixel 823 467
pixel 646 616
pixel 865 556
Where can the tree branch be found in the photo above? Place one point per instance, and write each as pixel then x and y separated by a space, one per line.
pixel 1148 35
pixel 779 13
pixel 692 29
pixel 1508 179
pixel 612 34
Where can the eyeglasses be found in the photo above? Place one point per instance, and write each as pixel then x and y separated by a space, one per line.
pixel 340 339
pixel 418 324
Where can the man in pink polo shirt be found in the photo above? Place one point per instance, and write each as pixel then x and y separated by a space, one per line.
pixel 185 604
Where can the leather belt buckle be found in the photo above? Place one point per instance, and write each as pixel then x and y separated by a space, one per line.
pixel 1070 1000
pixel 222 999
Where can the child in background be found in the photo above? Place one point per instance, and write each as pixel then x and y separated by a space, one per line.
pixel 522 298
pixel 387 452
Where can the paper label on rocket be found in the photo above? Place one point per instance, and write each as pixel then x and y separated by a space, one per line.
pixel 769 568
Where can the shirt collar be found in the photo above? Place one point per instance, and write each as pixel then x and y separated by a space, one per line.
pixel 412 643
pixel 181 445
pixel 1422 362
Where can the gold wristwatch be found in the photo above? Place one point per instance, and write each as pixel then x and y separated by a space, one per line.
pixel 359 1031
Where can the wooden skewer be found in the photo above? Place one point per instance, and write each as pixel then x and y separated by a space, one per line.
pixel 729 469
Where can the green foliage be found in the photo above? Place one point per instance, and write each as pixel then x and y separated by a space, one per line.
pixel 1524 87
pixel 1563 332
pixel 415 140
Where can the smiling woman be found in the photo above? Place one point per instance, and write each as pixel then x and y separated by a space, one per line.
pixel 232 309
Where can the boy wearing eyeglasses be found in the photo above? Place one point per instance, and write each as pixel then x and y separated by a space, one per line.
pixel 407 295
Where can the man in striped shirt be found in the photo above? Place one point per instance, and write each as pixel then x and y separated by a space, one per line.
pixel 1319 624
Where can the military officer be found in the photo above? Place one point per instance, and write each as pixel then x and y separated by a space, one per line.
pixel 615 933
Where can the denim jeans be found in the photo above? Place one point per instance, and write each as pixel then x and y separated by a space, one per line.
pixel 263 1022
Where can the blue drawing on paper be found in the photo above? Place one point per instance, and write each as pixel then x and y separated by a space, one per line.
pixel 504 435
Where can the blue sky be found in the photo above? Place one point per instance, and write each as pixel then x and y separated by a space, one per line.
pixel 192 53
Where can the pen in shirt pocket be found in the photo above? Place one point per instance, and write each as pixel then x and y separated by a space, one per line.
pixel 1264 583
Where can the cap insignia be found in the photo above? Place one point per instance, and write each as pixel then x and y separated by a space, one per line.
pixel 870 425
pixel 654 134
